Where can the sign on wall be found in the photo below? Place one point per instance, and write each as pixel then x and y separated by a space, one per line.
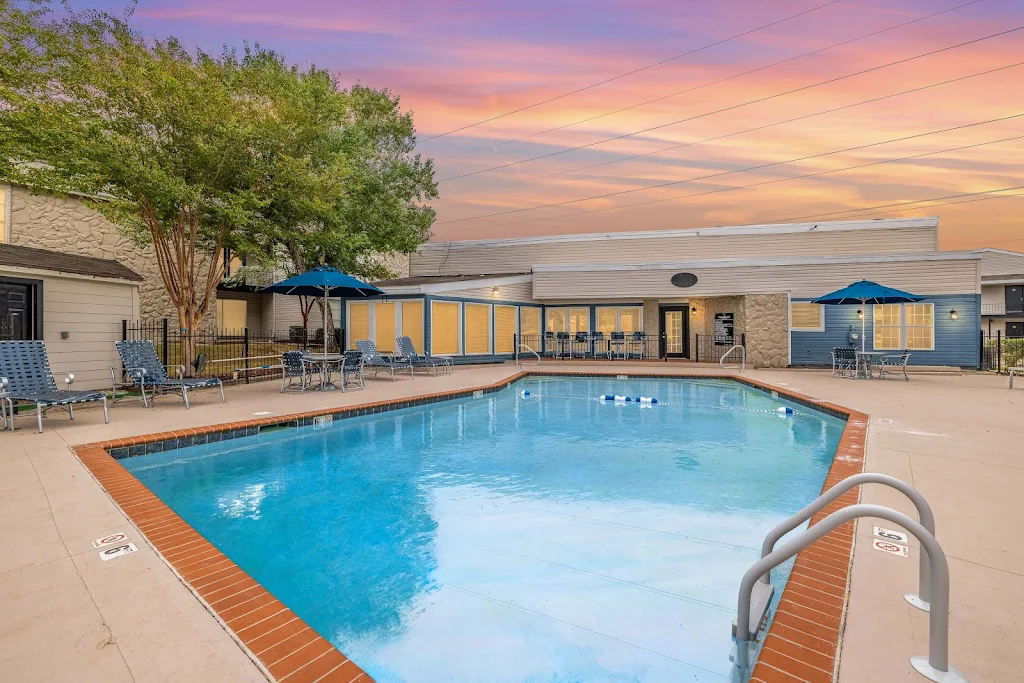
pixel 724 325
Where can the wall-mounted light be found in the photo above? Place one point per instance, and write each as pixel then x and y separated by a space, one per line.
pixel 860 313
pixel 953 315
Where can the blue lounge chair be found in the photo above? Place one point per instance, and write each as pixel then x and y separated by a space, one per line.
pixel 25 371
pixel 407 351
pixel 373 360
pixel 352 369
pixel 142 367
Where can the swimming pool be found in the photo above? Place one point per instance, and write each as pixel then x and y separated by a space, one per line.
pixel 553 537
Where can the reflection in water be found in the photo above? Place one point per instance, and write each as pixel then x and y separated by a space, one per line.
pixel 554 538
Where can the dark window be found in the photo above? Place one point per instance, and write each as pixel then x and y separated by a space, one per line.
pixel 1014 299
pixel 1015 330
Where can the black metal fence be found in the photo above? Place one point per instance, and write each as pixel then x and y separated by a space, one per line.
pixel 566 345
pixel 999 352
pixel 228 354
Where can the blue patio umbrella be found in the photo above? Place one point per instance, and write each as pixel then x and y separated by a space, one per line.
pixel 324 281
pixel 866 292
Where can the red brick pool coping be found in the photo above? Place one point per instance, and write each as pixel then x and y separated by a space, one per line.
pixel 802 643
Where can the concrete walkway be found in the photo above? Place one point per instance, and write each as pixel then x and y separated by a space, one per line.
pixel 69 616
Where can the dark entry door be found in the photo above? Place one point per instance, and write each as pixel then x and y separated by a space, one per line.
pixel 15 312
pixel 1015 330
pixel 1014 299
pixel 675 332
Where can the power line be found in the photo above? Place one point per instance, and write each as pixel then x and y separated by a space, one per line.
pixel 734 76
pixel 739 170
pixel 917 201
pixel 630 73
pixel 738 106
pixel 777 123
pixel 768 182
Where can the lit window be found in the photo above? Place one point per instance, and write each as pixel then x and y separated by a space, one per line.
pixel 630 320
pixel 556 319
pixel 358 323
pixel 529 322
pixel 384 326
pixel 412 322
pixel 579 320
pixel 504 329
pixel 444 328
pixel 607 320
pixel 907 326
pixel 478 328
pixel 612 319
pixel 808 317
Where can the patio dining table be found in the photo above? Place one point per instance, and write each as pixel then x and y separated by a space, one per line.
pixel 325 363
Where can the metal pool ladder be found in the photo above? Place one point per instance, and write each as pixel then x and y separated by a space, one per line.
pixel 756 590
pixel 522 347
pixel 743 359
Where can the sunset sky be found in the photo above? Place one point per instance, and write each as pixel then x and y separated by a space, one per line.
pixel 455 63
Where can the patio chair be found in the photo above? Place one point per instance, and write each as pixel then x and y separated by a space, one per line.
pixel 894 363
pixel 640 344
pixel 142 367
pixel 352 367
pixel 292 367
pixel 617 346
pixel 407 351
pixel 844 361
pixel 25 372
pixel 601 346
pixel 550 345
pixel 562 343
pixel 580 345
pixel 373 360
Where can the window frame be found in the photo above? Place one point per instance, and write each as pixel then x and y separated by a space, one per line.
pixel 821 317
pixel 494 328
pixel 460 341
pixel 902 326
pixel 596 326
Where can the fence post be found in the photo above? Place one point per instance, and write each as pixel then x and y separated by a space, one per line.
pixel 124 330
pixel 999 350
pixel 981 351
pixel 245 350
pixel 164 343
pixel 696 342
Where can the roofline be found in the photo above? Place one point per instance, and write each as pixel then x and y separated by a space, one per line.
pixel 754 262
pixel 762 229
pixel 1004 281
pixel 47 272
pixel 993 250
pixel 456 285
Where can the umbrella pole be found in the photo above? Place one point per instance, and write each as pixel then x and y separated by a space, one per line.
pixel 863 325
pixel 326 304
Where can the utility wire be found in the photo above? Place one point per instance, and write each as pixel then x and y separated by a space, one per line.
pixel 738 170
pixel 630 73
pixel 734 76
pixel 738 106
pixel 908 203
pixel 770 182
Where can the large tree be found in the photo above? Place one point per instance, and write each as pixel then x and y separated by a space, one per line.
pixel 348 189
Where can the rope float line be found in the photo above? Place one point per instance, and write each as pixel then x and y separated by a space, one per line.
pixel 650 401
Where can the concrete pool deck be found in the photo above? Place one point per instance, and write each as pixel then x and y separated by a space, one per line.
pixel 72 617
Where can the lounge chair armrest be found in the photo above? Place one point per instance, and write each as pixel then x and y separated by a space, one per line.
pixel 69 380
pixel 4 383
pixel 180 369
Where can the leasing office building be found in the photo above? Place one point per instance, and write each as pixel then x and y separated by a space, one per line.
pixel 753 283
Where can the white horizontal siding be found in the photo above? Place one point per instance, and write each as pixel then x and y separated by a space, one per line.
pixel 994 263
pixel 91 313
pixel 518 292
pixel 803 280
pixel 465 258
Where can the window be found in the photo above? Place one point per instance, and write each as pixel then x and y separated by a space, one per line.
pixel 612 319
pixel 529 322
pixel 579 320
pixel 807 317
pixel 412 322
pixel 504 329
pixel 478 328
pixel 231 316
pixel 384 326
pixel 556 320
pixel 444 328
pixel 904 326
pixel 358 323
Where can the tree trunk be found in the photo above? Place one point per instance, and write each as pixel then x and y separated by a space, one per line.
pixel 305 306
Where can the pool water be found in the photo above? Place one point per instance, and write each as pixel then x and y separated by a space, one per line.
pixel 553 537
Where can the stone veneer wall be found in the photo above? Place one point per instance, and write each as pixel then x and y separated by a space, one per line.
pixel 69 226
pixel 767 325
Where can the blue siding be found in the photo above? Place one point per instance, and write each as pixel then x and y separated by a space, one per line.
pixel 956 341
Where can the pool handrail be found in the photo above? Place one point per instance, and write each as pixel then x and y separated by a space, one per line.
pixel 521 346
pixel 743 358
pixel 921 599
pixel 935 666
